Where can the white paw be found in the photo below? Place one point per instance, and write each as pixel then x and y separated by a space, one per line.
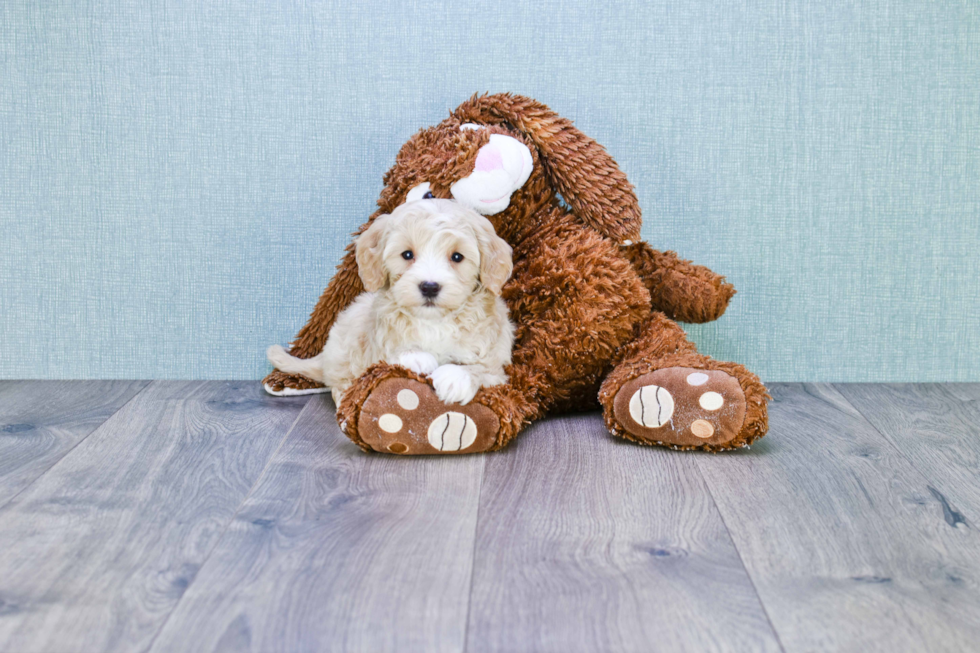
pixel 419 362
pixel 453 384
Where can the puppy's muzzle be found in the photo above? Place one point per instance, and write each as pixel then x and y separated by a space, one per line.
pixel 429 289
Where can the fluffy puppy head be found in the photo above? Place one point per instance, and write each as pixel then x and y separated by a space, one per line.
pixel 432 254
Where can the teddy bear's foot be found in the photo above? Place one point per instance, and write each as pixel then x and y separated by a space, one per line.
pixel 280 384
pixel 683 407
pixel 404 416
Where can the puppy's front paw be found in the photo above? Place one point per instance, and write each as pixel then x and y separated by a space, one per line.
pixel 419 362
pixel 454 384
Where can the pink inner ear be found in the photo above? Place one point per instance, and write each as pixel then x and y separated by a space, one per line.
pixel 488 159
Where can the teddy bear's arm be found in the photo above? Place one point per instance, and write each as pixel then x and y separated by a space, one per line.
pixel 678 288
pixel 343 288
pixel 340 292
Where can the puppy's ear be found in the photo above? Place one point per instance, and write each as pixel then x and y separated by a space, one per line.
pixel 495 256
pixel 369 253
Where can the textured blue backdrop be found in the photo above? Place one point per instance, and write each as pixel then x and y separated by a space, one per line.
pixel 178 179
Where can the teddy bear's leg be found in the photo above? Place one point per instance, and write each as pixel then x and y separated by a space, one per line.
pixel 662 391
pixel 574 301
pixel 393 410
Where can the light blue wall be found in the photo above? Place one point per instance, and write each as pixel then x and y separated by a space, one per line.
pixel 178 179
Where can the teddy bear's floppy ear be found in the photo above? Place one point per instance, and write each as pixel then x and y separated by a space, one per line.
pixel 579 168
pixel 502 166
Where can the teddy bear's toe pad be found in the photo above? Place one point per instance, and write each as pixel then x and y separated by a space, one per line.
pixel 404 416
pixel 682 406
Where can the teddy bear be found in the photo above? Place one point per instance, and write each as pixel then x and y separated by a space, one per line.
pixel 595 308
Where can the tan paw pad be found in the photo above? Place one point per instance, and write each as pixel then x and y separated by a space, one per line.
pixel 390 423
pixel 407 399
pixel 702 428
pixel 711 401
pixel 697 378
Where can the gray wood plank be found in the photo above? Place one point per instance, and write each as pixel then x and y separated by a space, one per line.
pixel 937 431
pixel 97 552
pixel 40 421
pixel 588 543
pixel 964 391
pixel 848 545
pixel 338 550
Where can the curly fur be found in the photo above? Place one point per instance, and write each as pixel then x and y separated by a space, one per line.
pixel 593 307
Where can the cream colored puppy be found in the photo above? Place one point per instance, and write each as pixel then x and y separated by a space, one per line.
pixel 433 271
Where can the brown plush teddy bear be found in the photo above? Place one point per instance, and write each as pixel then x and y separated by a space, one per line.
pixel 594 308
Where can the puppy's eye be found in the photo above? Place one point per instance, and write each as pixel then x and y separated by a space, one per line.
pixel 457 257
pixel 428 195
pixel 408 255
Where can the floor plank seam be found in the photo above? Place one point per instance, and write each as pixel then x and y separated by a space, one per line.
pixel 741 558
pixel 74 446
pixel 849 536
pixel 231 520
pixel 940 498
pixel 476 533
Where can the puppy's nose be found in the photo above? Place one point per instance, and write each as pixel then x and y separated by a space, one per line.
pixel 429 289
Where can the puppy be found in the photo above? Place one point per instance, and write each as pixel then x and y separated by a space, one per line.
pixel 433 271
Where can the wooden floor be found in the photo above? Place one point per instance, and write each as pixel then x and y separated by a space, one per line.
pixel 207 516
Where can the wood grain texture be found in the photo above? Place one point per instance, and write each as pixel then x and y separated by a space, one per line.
pixel 40 421
pixel 97 552
pixel 587 543
pixel 189 520
pixel 964 391
pixel 339 550
pixel 849 546
pixel 936 430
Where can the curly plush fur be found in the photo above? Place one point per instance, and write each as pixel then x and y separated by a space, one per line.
pixel 593 306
